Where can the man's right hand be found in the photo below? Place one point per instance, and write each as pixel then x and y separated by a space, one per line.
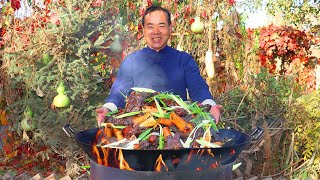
pixel 101 114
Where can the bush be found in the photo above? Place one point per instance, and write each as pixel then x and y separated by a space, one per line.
pixel 58 44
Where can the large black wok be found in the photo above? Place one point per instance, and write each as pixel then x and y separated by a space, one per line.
pixel 176 160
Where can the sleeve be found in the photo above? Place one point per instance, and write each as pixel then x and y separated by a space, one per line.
pixel 197 87
pixel 122 85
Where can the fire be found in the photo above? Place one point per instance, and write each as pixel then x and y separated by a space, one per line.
pixel 113 157
pixel 96 152
pixel 159 163
pixel 123 163
pixel 105 156
pixel 190 156
pixel 214 165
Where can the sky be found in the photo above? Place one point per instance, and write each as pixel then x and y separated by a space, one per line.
pixel 257 20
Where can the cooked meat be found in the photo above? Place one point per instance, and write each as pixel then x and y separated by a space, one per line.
pixel 131 130
pixel 136 100
pixel 173 142
pixel 123 121
pixel 145 144
pixel 181 112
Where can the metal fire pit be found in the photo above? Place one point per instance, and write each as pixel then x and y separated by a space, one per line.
pixel 100 172
pixel 206 163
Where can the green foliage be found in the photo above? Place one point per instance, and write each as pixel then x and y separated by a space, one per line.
pixel 302 14
pixel 61 47
pixel 304 116
pixel 263 96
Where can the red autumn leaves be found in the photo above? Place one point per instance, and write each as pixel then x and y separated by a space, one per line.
pixel 285 43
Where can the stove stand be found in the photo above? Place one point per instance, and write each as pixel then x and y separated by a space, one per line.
pixel 100 172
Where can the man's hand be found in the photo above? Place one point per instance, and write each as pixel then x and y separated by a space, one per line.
pixel 215 111
pixel 101 114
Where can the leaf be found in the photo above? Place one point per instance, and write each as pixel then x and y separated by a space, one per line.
pixel 101 39
pixel 235 166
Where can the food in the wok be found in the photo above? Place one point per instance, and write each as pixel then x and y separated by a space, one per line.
pixel 153 120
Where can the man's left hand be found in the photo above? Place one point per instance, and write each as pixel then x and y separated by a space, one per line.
pixel 215 111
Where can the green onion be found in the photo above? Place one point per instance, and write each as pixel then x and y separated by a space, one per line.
pixel 128 114
pixel 208 116
pixel 204 143
pixel 161 142
pixel 181 103
pixel 167 115
pixel 191 136
pixel 161 138
pixel 147 90
pixel 195 109
pixel 114 126
pixel 160 111
pixel 119 127
pixel 145 133
pixel 146 137
pixel 85 167
pixel 112 113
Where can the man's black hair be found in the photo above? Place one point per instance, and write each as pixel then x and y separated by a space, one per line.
pixel 157 8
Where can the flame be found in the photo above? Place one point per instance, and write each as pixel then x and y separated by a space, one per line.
pixel 98 135
pixel 105 156
pixel 124 165
pixel 159 163
pixel 214 165
pixel 189 156
pixel 176 161
pixel 232 152
pixel 96 152
pixel 114 157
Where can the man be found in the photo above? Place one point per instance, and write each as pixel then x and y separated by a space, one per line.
pixel 158 67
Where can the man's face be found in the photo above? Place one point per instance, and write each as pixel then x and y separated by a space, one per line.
pixel 156 30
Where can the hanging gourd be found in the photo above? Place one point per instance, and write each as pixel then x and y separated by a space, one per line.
pixel 61 100
pixel 209 64
pixel 116 45
pixel 28 112
pixel 197 26
pixel 28 124
pixel 46 58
